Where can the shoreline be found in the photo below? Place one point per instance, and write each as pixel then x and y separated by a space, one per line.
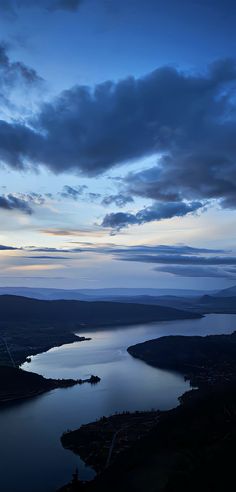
pixel 112 445
pixel 17 385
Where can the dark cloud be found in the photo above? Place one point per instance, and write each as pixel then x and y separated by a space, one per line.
pixel 11 202
pixel 171 252
pixel 181 259
pixel 93 197
pixel 191 271
pixel 11 6
pixel 158 211
pixel 51 250
pixel 132 252
pixel 48 257
pixel 120 200
pixel 164 249
pixel 22 202
pixel 10 72
pixel 166 111
pixel 73 192
pixel 32 198
pixel 17 145
pixel 8 248
pixel 71 5
pixel 37 198
pixel 184 249
pixel 78 192
pixel 14 76
pixel 188 119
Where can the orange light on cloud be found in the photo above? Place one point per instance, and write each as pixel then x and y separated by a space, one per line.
pixel 35 267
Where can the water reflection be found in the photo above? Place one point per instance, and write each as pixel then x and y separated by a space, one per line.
pixel 32 458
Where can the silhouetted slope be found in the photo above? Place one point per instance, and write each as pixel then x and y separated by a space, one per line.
pixel 16 384
pixel 190 353
pixel 15 308
pixel 30 326
pixel 229 292
pixel 191 449
pixel 209 304
pixel 205 304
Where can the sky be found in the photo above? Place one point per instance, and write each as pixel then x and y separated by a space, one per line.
pixel 118 143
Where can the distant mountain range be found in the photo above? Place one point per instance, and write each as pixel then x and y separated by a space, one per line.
pixel 87 294
pixel 230 292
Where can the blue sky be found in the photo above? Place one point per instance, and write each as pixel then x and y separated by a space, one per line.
pixel 117 129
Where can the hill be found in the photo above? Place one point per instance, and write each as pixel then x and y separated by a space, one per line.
pixel 98 313
pixel 189 448
pixel 230 292
pixel 212 304
pixel 16 384
pixel 30 326
pixel 95 294
pixel 208 358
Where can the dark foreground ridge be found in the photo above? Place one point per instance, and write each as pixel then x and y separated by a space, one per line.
pixel 189 448
pixel 99 443
pixel 31 326
pixel 16 384
pixel 192 448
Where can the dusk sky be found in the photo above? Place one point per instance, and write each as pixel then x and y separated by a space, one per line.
pixel 118 143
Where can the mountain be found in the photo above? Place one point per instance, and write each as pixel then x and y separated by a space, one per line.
pixel 95 313
pixel 204 304
pixel 213 304
pixel 188 448
pixel 88 294
pixel 191 354
pixel 16 384
pixel 30 326
pixel 230 292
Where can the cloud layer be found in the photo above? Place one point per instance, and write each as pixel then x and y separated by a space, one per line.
pixel 12 202
pixel 158 211
pixel 179 260
pixel 21 202
pixel 187 119
pixel 196 272
pixel 14 77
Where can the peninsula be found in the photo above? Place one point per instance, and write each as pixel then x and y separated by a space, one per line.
pixel 16 384
pixel 31 326
pixel 190 447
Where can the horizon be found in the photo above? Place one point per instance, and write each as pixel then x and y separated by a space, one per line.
pixel 110 289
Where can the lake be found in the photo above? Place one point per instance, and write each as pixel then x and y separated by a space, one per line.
pixel 32 458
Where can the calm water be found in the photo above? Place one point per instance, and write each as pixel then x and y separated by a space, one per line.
pixel 32 458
